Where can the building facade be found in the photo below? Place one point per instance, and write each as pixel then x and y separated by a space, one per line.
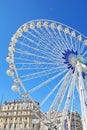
pixel 72 121
pixel 18 115
pixel 75 121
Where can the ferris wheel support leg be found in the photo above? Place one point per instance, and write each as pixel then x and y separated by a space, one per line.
pixel 82 96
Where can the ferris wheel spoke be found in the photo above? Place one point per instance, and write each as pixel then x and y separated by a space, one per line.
pixel 76 45
pixel 60 94
pixel 46 82
pixel 68 99
pixel 79 47
pixel 58 69
pixel 44 44
pixel 58 40
pixel 40 50
pixel 67 40
pixel 34 64
pixel 71 43
pixel 44 39
pixel 38 63
pixel 55 39
pixel 25 58
pixel 22 58
pixel 64 42
pixel 23 68
pixel 60 91
pixel 83 48
pixel 49 39
pixel 56 86
pixel 70 91
pixel 40 74
pixel 36 68
pixel 72 105
pixel 85 54
pixel 72 100
pixel 26 52
pixel 19 51
pixel 75 42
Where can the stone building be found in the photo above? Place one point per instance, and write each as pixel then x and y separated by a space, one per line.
pixel 18 115
pixel 75 121
pixel 72 121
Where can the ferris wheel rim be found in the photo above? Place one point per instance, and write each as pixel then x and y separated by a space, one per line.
pixel 54 21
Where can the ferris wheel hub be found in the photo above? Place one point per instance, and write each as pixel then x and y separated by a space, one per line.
pixel 70 58
pixel 73 59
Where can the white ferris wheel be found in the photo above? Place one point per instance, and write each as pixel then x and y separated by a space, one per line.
pixel 48 64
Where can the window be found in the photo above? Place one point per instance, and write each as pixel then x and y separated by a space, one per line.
pixel 4 126
pixel 17 107
pixel 15 126
pixel 12 113
pixel 16 113
pixel 26 112
pixel 20 119
pixel 6 119
pixel 25 125
pixel 10 126
pixel 33 125
pixel 25 118
pixel 21 112
pixel 7 113
pixel 16 118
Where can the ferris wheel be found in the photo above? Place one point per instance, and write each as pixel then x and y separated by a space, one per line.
pixel 48 64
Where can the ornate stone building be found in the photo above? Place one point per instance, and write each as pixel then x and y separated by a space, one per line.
pixel 75 121
pixel 72 122
pixel 18 115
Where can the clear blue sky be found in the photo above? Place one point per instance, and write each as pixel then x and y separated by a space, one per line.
pixel 14 13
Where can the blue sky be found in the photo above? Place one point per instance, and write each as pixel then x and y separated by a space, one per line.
pixel 14 13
